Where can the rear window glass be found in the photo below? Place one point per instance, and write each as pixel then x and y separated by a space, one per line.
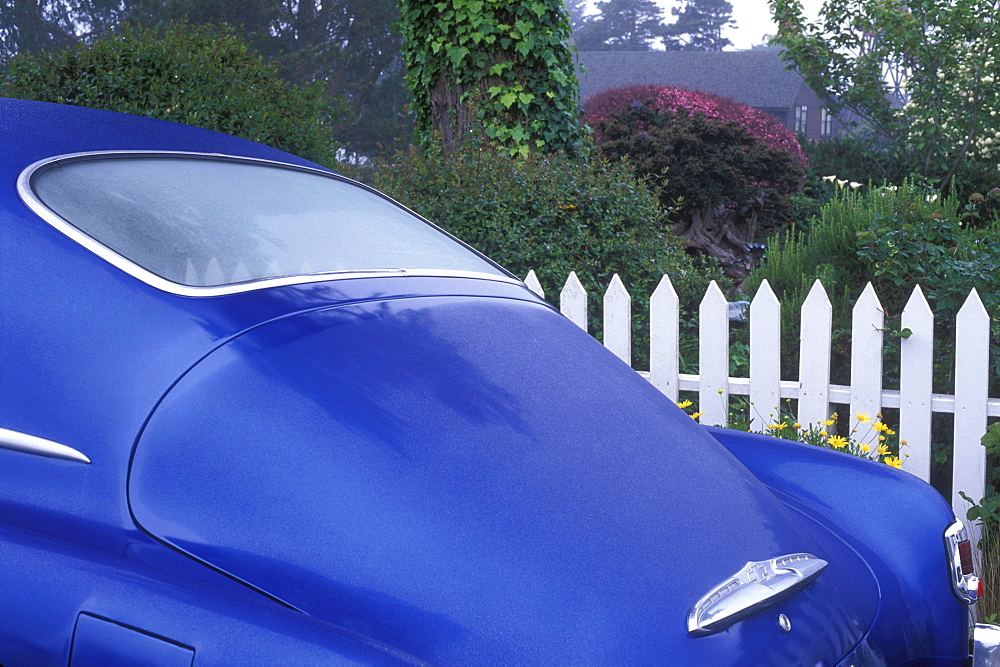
pixel 206 222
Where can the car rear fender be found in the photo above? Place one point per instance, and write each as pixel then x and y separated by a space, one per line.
pixel 894 520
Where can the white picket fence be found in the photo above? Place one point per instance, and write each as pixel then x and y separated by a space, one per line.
pixel 970 404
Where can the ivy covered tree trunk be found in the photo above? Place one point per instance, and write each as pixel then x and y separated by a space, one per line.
pixel 500 65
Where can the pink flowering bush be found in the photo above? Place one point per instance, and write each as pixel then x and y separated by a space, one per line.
pixel 680 101
pixel 728 169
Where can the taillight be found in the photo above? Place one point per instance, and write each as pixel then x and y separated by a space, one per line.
pixel 965 553
pixel 958 549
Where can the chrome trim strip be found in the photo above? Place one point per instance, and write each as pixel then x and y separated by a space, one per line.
pixel 22 442
pixel 756 586
pixel 31 201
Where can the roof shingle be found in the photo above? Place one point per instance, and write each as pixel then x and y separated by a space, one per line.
pixel 757 78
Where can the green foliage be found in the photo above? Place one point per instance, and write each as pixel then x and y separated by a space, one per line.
pixel 552 214
pixel 701 150
pixel 502 65
pixel 948 253
pixel 986 512
pixel 946 52
pixel 856 160
pixel 348 46
pixel 830 252
pixel 701 161
pixel 199 76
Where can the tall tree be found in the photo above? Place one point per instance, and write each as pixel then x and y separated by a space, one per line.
pixel 577 10
pixel 35 25
pixel 699 26
pixel 947 52
pixel 621 25
pixel 348 46
pixel 502 66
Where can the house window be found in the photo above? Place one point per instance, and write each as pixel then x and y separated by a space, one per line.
pixel 825 123
pixel 801 115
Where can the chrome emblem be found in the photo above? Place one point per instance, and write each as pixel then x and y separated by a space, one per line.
pixel 757 586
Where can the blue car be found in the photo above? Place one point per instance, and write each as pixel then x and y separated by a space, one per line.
pixel 256 413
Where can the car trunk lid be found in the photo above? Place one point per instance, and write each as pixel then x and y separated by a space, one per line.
pixel 472 480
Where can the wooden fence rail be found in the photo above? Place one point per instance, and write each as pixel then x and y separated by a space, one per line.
pixel 815 395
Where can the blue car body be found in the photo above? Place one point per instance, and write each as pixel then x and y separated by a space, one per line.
pixel 395 466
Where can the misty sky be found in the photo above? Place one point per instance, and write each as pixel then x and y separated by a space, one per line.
pixel 753 19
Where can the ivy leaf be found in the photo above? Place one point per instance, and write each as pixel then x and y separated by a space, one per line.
pixel 457 54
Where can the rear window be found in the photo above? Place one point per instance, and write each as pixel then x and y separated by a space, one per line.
pixel 202 221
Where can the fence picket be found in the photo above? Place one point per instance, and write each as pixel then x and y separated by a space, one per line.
pixel 618 320
pixel 972 345
pixel 867 322
pixel 190 274
pixel 713 357
pixel 916 366
pixel 241 273
pixel 664 338
pixel 213 273
pixel 573 301
pixel 815 340
pixel 765 358
pixel 531 280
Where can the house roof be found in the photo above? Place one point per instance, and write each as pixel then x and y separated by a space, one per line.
pixel 757 78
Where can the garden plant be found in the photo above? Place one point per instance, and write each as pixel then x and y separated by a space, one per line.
pixel 202 76
pixel 729 170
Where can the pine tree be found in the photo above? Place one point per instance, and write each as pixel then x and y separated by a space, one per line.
pixel 699 26
pixel 622 25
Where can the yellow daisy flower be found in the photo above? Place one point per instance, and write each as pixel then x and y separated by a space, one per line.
pixel 838 441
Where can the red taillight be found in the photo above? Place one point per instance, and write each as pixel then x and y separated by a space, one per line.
pixel 958 548
pixel 981 589
pixel 965 553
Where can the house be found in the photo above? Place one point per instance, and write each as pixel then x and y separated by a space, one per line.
pixel 757 78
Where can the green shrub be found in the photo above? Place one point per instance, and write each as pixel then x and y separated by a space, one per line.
pixel 948 253
pixel 831 252
pixel 703 149
pixel 852 159
pixel 730 170
pixel 195 75
pixel 552 214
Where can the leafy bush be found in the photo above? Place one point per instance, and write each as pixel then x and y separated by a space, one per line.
pixel 730 169
pixel 552 214
pixel 831 252
pixel 195 75
pixel 855 160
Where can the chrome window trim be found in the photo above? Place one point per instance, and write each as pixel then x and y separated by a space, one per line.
pixel 31 444
pixel 29 198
